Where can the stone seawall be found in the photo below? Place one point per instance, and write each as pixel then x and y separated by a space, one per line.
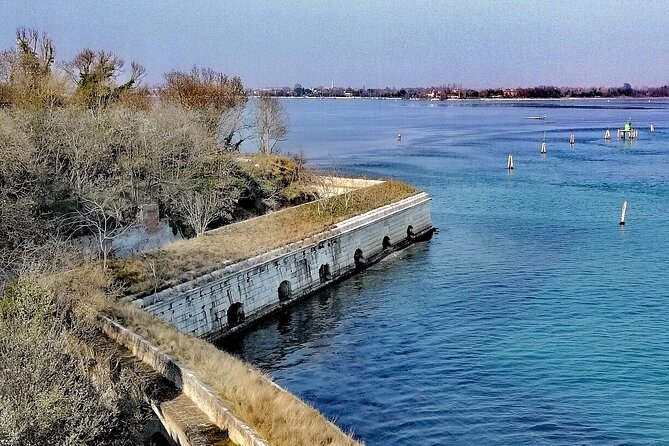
pixel 232 297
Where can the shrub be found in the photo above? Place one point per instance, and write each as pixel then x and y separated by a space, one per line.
pixel 56 381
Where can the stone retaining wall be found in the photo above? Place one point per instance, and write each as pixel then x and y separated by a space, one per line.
pixel 330 186
pixel 224 300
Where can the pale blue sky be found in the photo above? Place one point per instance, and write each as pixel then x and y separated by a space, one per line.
pixel 381 43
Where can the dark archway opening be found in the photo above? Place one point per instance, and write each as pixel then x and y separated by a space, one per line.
pixel 236 314
pixel 157 439
pixel 284 291
pixel 359 258
pixel 410 233
pixel 324 272
pixel 386 242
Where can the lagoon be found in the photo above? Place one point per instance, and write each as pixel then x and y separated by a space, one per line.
pixel 531 318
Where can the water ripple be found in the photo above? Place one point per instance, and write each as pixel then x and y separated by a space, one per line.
pixel 531 319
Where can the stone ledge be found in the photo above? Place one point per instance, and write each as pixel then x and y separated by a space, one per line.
pixel 199 393
pixel 184 421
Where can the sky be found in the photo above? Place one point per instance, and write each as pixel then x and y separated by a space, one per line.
pixel 376 44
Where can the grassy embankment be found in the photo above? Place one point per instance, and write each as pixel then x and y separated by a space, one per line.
pixel 187 259
pixel 279 417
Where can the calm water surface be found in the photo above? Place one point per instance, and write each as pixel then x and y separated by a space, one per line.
pixel 532 318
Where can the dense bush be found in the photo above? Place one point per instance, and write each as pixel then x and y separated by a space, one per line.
pixel 57 383
pixel 70 171
pixel 79 156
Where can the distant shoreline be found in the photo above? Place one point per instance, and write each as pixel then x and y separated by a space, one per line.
pixel 381 98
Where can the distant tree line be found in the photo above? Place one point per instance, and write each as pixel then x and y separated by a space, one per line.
pixel 454 91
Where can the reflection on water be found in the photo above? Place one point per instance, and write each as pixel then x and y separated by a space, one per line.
pixel 314 317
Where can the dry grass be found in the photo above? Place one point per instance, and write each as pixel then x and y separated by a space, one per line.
pixel 187 259
pixel 278 416
pixel 58 378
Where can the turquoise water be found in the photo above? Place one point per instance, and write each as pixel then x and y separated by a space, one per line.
pixel 532 318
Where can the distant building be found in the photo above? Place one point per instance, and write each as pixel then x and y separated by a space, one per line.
pixel 510 92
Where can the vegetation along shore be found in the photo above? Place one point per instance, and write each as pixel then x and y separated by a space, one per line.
pixel 459 91
pixel 84 147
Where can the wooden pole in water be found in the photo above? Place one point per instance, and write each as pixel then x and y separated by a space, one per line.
pixel 571 138
pixel 509 162
pixel 607 134
pixel 622 213
pixel 543 147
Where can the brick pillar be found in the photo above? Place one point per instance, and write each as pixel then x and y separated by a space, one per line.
pixel 149 216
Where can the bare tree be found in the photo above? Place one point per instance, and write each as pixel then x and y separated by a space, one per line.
pixel 96 75
pixel 105 218
pixel 76 142
pixel 209 92
pixel 323 189
pixel 235 127
pixel 328 187
pixel 200 208
pixel 22 189
pixel 203 88
pixel 35 50
pixel 209 191
pixel 26 73
pixel 270 124
pixel 56 380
